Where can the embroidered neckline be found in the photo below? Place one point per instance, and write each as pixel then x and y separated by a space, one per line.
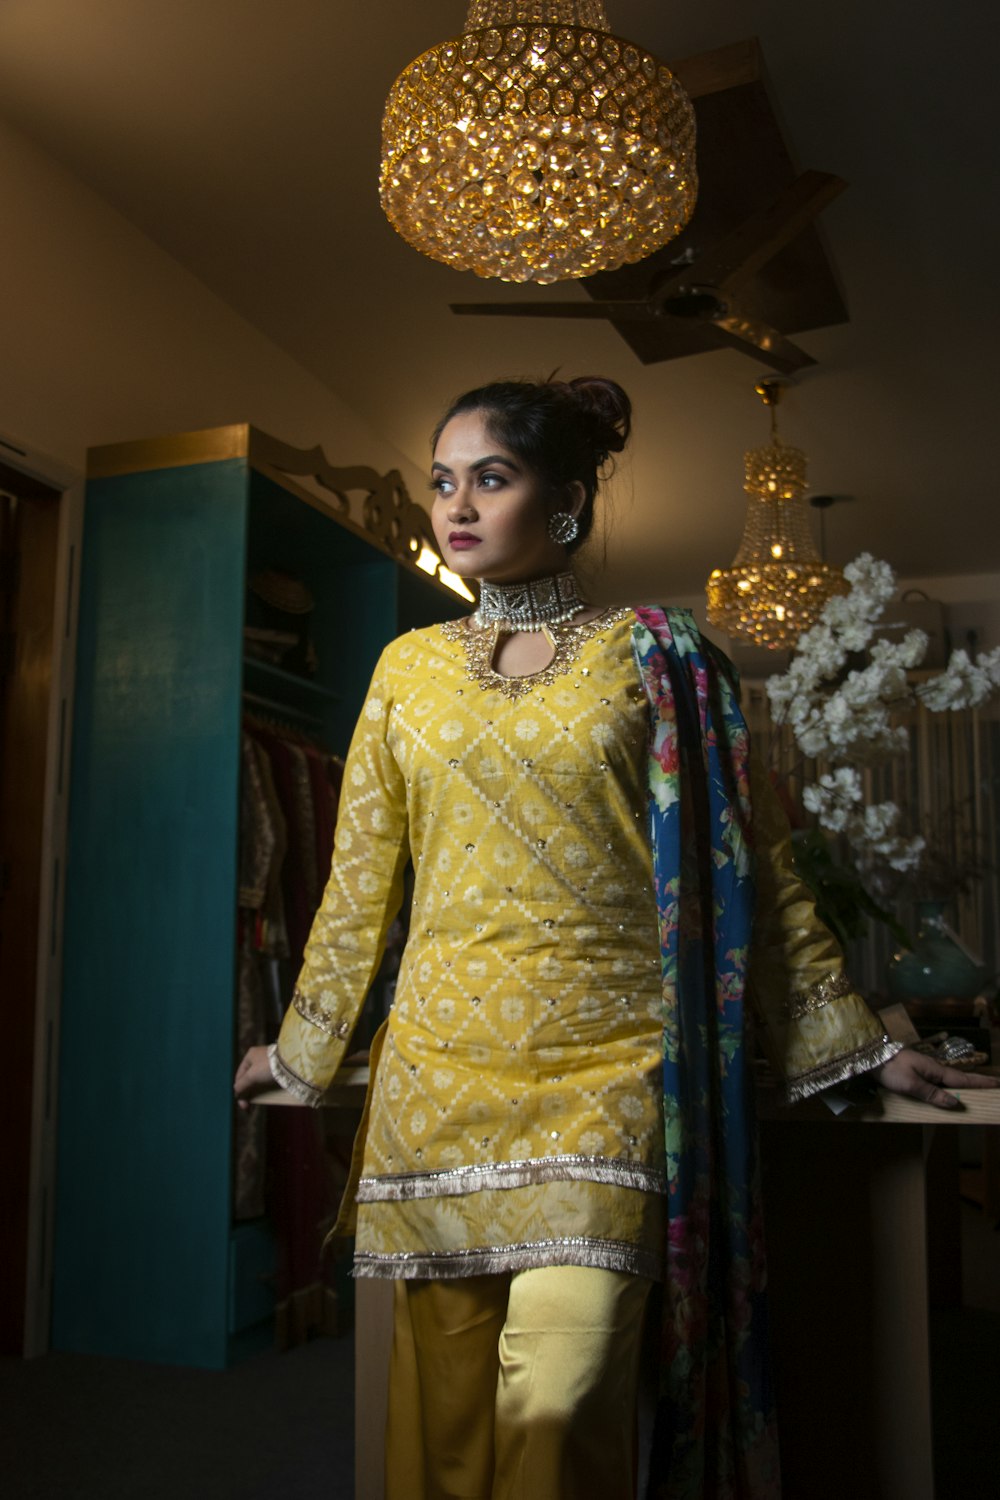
pixel 566 640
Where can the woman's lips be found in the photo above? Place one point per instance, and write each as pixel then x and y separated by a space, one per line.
pixel 461 541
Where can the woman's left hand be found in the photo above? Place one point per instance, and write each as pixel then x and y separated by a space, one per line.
pixel 921 1077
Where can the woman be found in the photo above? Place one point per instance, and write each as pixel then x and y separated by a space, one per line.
pixel 571 784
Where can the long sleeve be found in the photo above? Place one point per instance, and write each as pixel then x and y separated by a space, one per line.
pixel 361 899
pixel 816 1030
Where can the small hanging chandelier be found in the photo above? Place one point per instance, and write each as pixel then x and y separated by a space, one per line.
pixel 777 584
pixel 537 146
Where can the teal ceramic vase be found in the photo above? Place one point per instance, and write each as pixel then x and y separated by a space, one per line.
pixel 936 967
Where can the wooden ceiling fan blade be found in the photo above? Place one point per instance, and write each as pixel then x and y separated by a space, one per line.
pixel 761 342
pixel 617 311
pixel 743 251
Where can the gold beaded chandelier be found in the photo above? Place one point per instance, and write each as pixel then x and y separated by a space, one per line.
pixel 537 146
pixel 777 584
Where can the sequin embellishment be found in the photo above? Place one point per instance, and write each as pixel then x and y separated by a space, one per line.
pixel 566 641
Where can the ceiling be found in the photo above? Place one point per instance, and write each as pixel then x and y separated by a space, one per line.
pixel 242 136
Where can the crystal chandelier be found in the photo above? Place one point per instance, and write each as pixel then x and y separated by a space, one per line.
pixel 777 584
pixel 537 146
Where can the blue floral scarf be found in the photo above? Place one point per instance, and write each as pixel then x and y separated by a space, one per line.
pixel 715 1436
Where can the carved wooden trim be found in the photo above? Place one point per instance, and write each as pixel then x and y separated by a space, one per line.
pixel 389 513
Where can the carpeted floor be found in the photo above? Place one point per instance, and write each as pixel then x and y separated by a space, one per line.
pixel 277 1426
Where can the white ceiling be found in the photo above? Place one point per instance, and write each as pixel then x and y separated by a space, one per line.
pixel 242 136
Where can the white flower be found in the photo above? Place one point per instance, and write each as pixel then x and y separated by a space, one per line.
pixel 526 729
pixel 511 1008
pixel 374 708
pixel 963 683
pixel 452 730
pixel 592 1143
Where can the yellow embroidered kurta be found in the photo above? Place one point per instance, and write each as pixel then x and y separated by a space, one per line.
pixel 516 1114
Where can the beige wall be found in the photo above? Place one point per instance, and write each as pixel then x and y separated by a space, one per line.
pixel 104 337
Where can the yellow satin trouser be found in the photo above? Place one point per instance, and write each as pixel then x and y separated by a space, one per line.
pixel 515 1387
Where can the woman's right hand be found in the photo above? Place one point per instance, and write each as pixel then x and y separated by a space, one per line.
pixel 253 1076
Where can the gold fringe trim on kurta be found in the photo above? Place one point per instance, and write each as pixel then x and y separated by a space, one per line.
pixel 609 1255
pixel 398 1187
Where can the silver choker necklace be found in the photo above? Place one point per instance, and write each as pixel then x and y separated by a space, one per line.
pixel 530 605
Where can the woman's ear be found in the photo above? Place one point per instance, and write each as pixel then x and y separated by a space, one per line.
pixel 574 497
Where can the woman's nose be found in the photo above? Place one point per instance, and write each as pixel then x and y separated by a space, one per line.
pixel 461 507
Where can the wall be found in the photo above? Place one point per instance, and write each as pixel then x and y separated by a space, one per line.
pixel 106 338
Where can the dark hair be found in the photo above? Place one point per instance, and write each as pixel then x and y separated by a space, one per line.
pixel 563 430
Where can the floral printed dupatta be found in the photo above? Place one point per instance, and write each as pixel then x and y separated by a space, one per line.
pixel 715 1436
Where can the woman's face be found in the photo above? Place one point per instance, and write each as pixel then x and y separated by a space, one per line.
pixel 490 513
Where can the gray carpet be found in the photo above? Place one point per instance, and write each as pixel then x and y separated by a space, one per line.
pixel 277 1426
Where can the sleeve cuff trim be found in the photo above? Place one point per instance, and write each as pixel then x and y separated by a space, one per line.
pixel 290 1081
pixel 872 1055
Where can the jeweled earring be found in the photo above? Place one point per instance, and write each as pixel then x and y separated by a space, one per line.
pixel 564 527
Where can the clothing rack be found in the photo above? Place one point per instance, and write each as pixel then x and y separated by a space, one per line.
pixel 283 710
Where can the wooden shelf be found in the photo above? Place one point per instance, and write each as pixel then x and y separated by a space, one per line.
pixel 278 677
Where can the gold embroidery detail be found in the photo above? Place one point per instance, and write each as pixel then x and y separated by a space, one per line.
pixel 830 987
pixel 320 1016
pixel 566 641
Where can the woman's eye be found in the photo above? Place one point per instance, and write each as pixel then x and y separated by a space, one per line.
pixel 442 486
pixel 491 481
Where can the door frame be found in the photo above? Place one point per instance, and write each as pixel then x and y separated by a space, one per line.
pixel 69 485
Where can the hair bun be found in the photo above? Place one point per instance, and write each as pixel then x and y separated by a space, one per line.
pixel 608 409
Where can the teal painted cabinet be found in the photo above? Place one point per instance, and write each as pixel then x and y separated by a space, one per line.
pixel 147 1262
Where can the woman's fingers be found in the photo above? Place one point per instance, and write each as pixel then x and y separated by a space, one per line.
pixel 921 1077
pixel 958 1079
pixel 252 1075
